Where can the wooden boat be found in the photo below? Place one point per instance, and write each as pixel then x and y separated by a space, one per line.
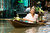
pixel 17 23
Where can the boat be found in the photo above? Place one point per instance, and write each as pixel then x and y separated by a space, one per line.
pixel 17 23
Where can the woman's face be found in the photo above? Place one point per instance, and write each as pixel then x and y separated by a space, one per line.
pixel 32 11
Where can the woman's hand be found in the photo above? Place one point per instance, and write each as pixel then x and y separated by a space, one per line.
pixel 37 21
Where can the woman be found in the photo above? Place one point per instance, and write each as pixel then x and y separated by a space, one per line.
pixel 31 17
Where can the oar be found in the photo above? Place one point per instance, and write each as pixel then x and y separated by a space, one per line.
pixel 44 23
pixel 5 19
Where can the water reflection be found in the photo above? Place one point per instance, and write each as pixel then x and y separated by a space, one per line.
pixel 31 30
pixel 25 30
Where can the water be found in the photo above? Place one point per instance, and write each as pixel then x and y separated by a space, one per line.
pixel 6 27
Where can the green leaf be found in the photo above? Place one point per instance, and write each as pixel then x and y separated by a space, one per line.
pixel 21 1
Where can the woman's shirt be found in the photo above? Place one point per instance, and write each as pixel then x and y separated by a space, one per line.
pixel 29 17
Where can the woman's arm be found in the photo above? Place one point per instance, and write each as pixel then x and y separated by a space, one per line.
pixel 27 20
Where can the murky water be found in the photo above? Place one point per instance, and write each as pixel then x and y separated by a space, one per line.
pixel 6 27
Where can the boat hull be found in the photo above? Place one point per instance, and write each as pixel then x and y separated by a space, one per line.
pixel 22 24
